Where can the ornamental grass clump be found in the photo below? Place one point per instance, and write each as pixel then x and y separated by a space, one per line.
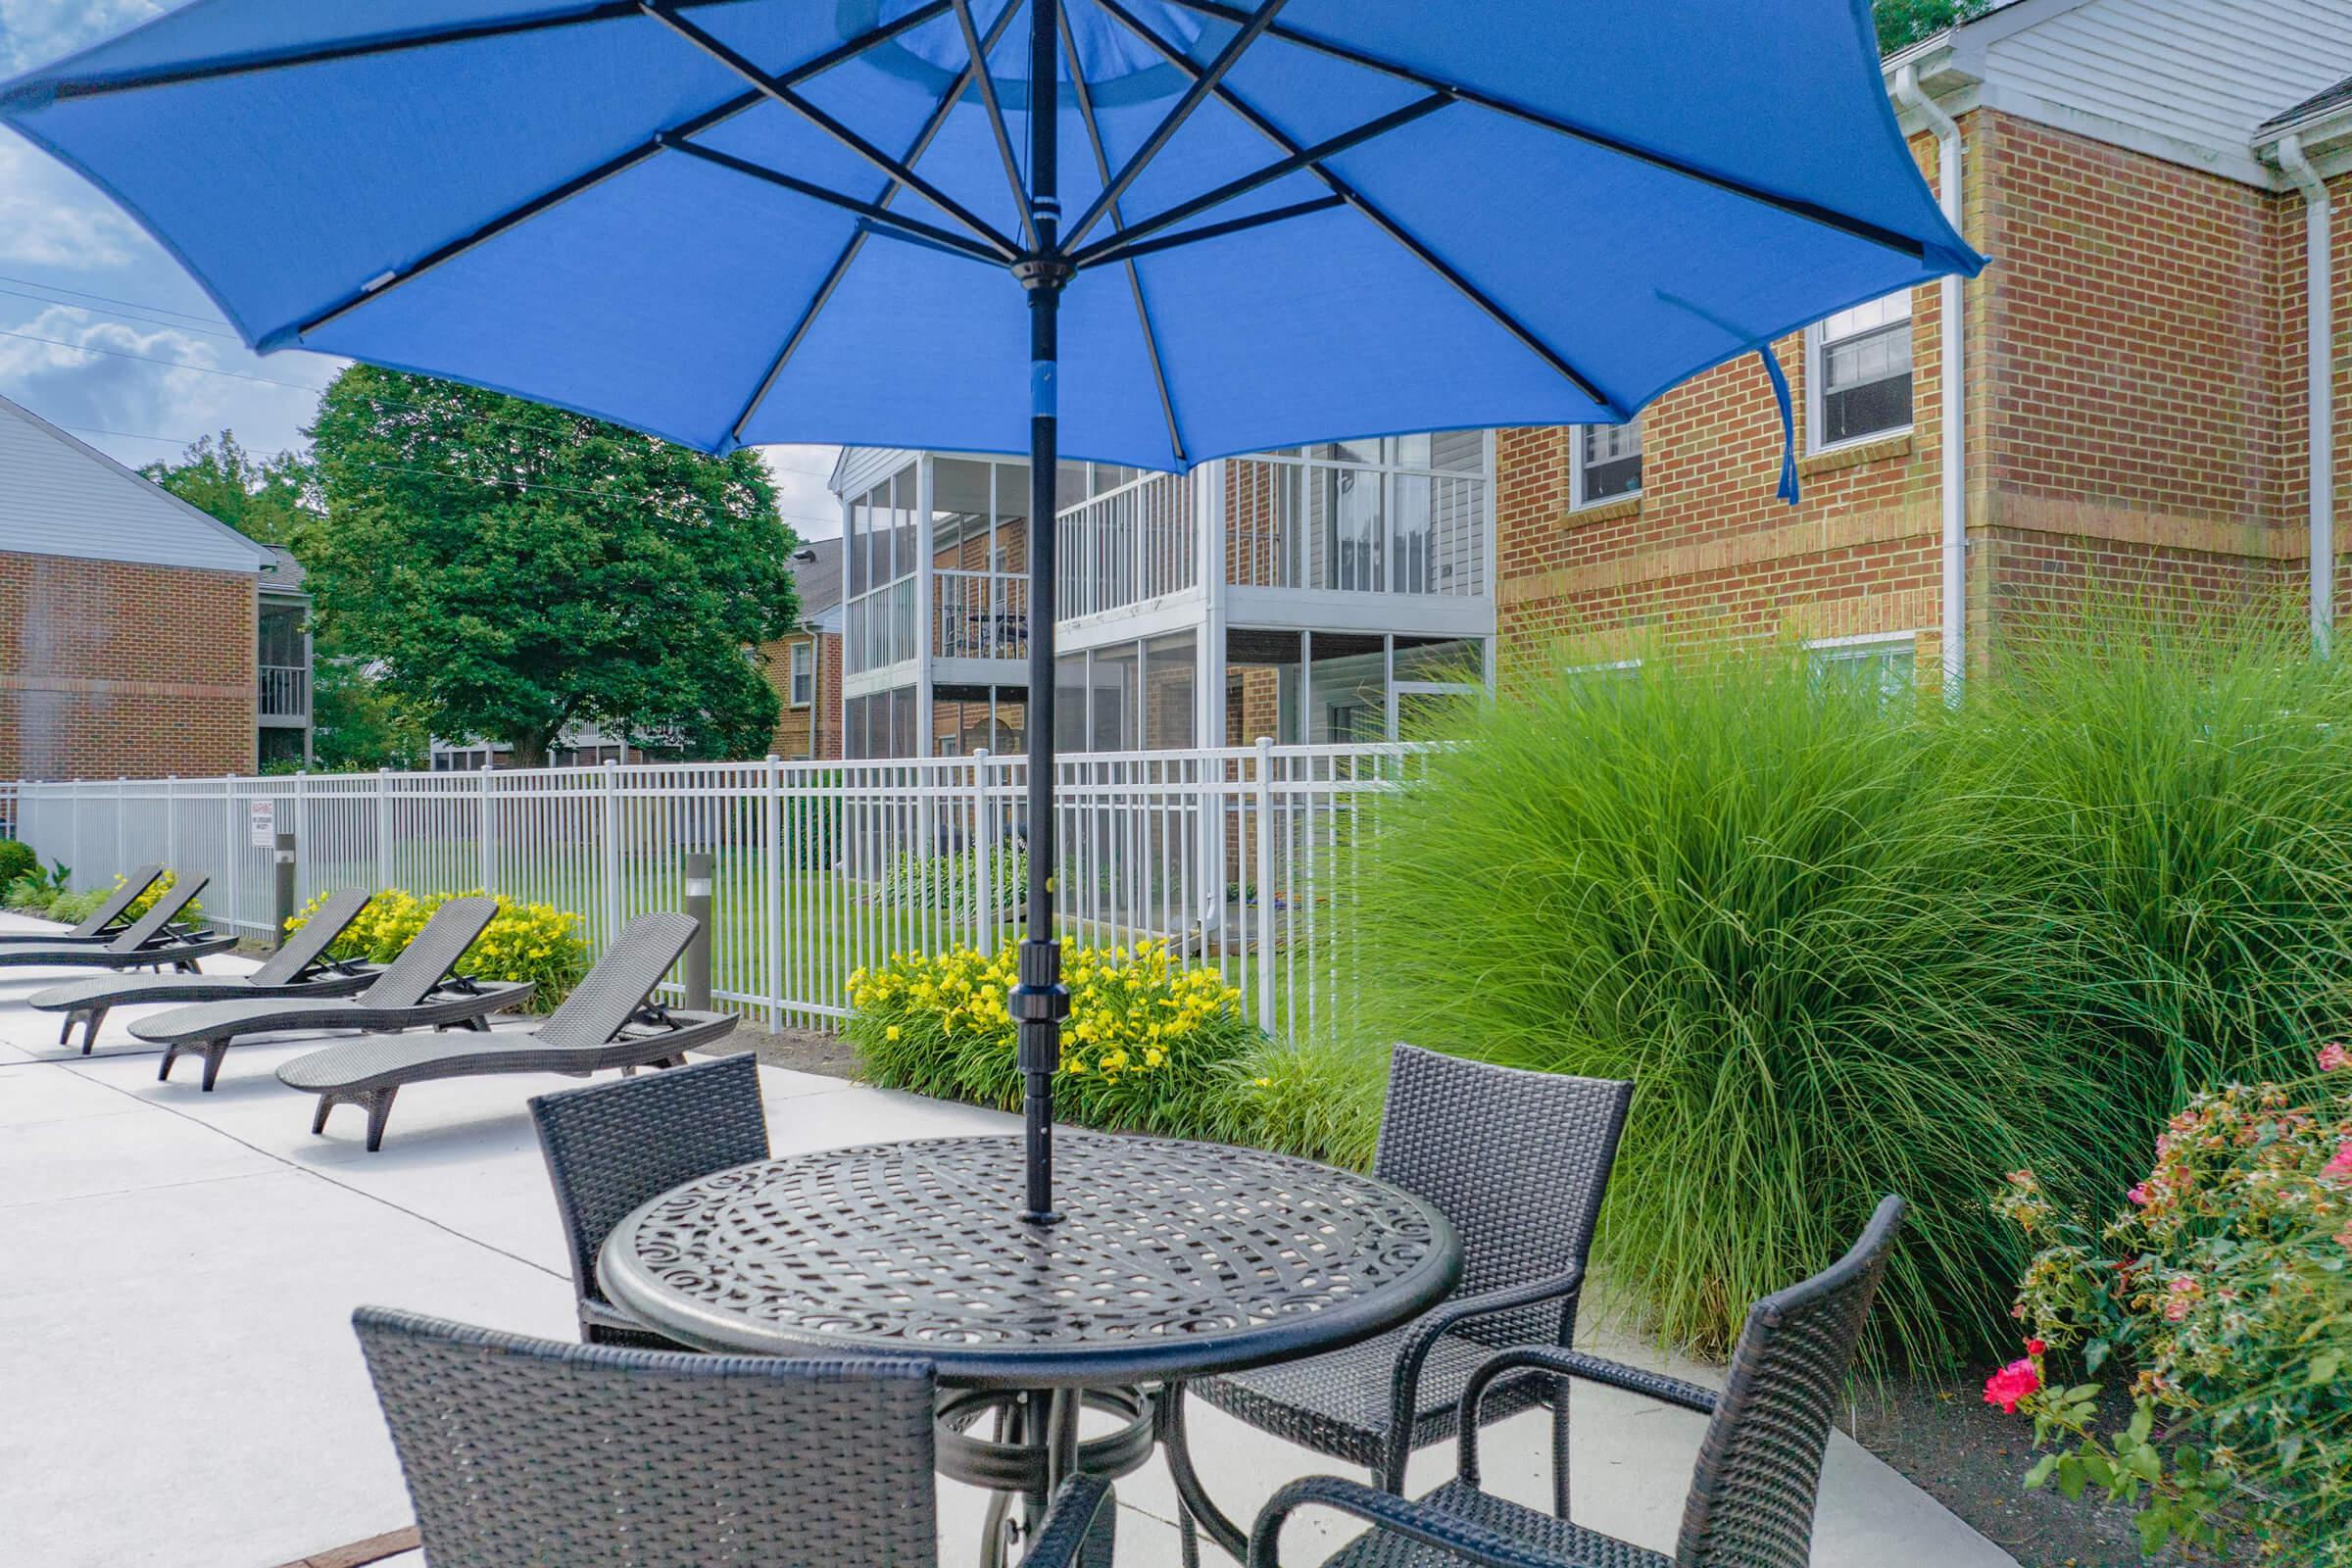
pixel 1146 1047
pixel 1746 890
pixel 2222 1292
pixel 535 942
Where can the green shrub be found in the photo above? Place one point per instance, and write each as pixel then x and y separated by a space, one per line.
pixel 1149 1044
pixel 2225 1286
pixel 1316 1098
pixel 17 860
pixel 72 909
pixel 32 892
pixel 191 913
pixel 535 942
pixel 1752 895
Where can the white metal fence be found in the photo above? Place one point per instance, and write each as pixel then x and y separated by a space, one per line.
pixel 1232 855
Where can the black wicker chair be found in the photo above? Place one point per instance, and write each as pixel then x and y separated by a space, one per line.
pixel 1518 1161
pixel 522 1452
pixel 1752 1494
pixel 617 1145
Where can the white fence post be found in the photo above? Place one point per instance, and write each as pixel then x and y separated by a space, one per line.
pixel 122 827
pixel 1265 883
pixel 489 838
pixel 610 813
pixel 772 834
pixel 984 858
pixel 170 821
pixel 231 840
pixel 383 828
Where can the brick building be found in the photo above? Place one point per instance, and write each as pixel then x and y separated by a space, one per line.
pixel 139 636
pixel 2134 404
pixel 804 665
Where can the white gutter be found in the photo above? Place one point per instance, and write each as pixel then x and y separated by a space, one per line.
pixel 2317 288
pixel 1909 93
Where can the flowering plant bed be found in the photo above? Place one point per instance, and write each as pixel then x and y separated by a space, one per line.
pixel 535 942
pixel 1149 1044
pixel 2225 1287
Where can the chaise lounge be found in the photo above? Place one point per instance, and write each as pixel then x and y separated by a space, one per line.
pixel 414 990
pixel 150 941
pixel 105 922
pixel 299 968
pixel 610 1021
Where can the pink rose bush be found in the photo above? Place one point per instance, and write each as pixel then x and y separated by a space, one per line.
pixel 2222 1288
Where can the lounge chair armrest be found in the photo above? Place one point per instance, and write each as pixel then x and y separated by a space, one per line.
pixel 1405 1386
pixel 1385 1511
pixel 1566 1363
pixel 457 984
pixel 1069 1521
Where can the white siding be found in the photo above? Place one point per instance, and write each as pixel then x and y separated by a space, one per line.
pixel 2204 72
pixel 61 498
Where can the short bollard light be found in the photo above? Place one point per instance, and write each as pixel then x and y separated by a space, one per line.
pixel 693 967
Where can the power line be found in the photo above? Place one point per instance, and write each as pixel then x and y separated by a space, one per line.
pixel 125 314
pixel 107 299
pixel 149 359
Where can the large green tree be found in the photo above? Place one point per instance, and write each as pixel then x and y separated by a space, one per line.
pixel 1902 23
pixel 268 498
pixel 509 568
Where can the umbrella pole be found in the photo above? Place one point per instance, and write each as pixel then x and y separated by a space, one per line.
pixel 1039 1001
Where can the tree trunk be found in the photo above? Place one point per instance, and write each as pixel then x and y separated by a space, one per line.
pixel 530 751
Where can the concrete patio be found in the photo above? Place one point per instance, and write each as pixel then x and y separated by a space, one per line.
pixel 179 1386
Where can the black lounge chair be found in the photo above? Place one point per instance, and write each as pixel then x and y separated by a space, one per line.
pixel 613 1146
pixel 521 1450
pixel 105 922
pixel 610 1021
pixel 1752 1493
pixel 152 942
pixel 414 990
pixel 299 968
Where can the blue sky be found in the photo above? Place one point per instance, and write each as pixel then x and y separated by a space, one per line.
pixel 88 305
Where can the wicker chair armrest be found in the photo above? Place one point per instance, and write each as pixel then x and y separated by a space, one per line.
pixel 1385 1511
pixel 1569 1364
pixel 1069 1523
pixel 1404 1397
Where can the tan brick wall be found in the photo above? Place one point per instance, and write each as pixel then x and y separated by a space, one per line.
pixel 814 731
pixel 2136 419
pixel 112 669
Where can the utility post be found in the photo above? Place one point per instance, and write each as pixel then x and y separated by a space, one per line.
pixel 702 871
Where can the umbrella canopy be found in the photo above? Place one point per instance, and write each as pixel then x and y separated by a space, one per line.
pixel 1232 226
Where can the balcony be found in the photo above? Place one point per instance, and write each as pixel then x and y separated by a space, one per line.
pixel 284 694
pixel 979 615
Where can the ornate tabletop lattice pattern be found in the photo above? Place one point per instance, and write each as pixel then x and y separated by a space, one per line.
pixel 1171 1257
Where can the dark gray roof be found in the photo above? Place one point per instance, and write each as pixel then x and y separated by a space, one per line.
pixel 2311 108
pixel 819 581
pixel 283 573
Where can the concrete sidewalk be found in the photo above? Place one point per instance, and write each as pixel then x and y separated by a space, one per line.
pixel 180 1387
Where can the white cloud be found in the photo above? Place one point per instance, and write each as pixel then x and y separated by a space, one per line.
pixel 49 218
pixel 800 474
pixel 33 32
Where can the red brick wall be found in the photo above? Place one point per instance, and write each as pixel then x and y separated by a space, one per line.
pixel 814 731
pixel 2136 418
pixel 112 669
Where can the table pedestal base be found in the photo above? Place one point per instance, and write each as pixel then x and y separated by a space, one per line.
pixel 1034 1444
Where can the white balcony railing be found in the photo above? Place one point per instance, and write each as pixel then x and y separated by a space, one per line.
pixel 1355 528
pixel 980 615
pixel 286 691
pixel 1125 546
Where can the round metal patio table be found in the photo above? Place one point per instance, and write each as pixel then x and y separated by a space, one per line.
pixel 1169 1261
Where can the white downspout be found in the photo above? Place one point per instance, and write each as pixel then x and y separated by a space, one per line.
pixel 2319 288
pixel 1909 93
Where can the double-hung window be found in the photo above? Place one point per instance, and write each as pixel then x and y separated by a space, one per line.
pixel 1859 372
pixel 803 675
pixel 1605 462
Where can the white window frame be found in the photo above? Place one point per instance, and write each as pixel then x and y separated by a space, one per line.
pixel 1578 501
pixel 1843 650
pixel 1816 384
pixel 803 669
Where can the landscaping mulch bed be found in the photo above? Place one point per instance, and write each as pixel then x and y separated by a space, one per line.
pixel 1968 1456
pixel 799 1050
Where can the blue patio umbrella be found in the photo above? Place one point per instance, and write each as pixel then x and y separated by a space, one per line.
pixel 1242 223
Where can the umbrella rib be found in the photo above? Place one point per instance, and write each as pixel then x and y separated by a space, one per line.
pixel 987 83
pixel 348 49
pixel 1232 226
pixel 1123 239
pixel 1397 232
pixel 782 92
pixel 1794 206
pixel 1135 279
pixel 871 212
pixel 695 126
pixel 857 242
pixel 1204 82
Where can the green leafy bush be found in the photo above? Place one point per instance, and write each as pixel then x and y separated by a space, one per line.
pixel 1318 1098
pixel 32 892
pixel 1748 892
pixel 535 942
pixel 1149 1044
pixel 72 909
pixel 17 860
pixel 2225 1286
pixel 190 916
